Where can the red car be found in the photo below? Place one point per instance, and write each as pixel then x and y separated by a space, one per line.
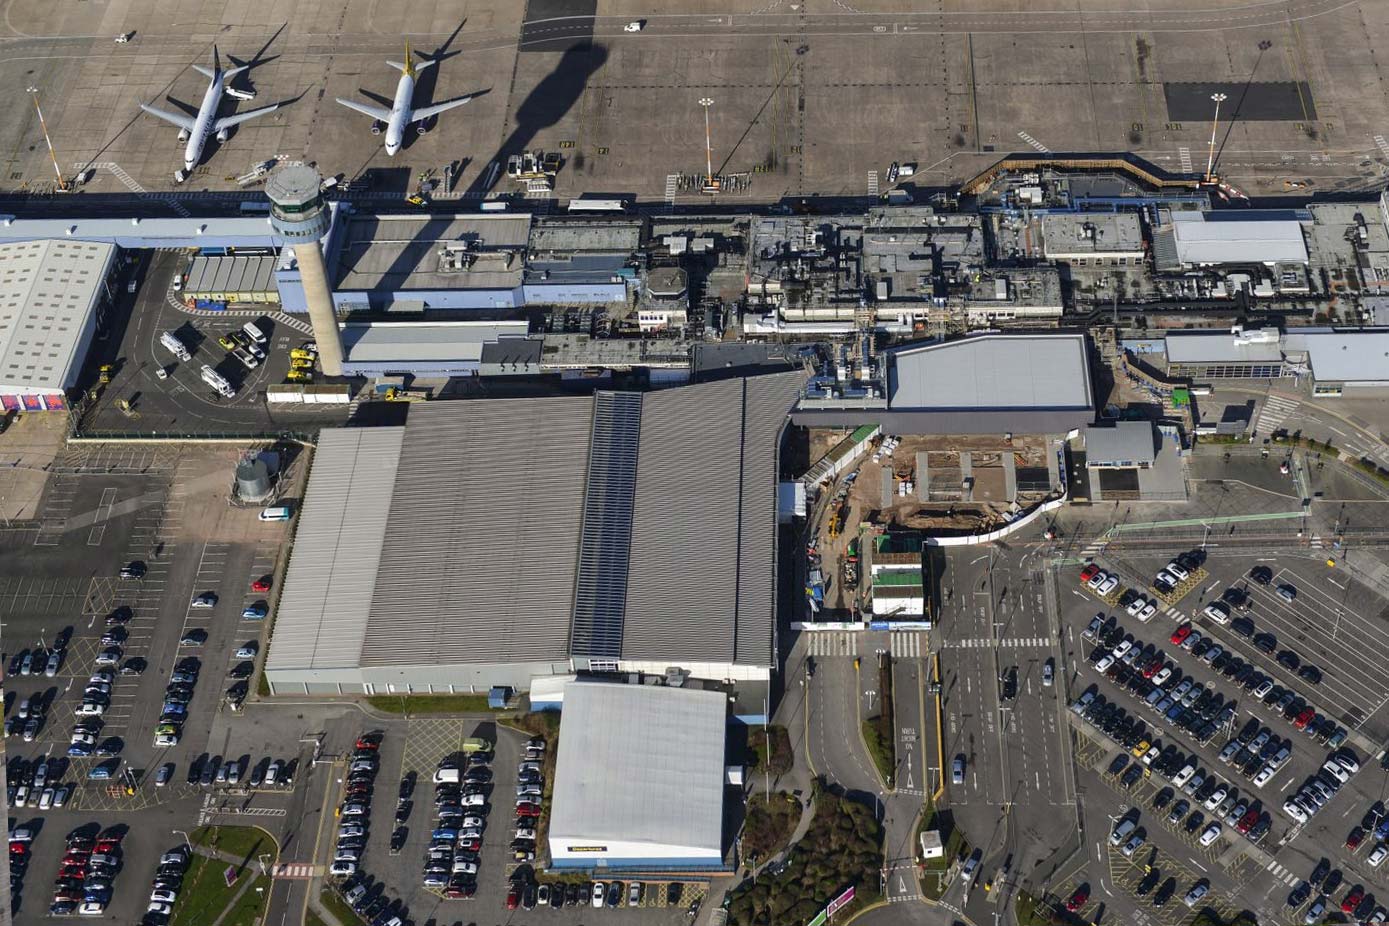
pixel 460 891
pixel 470 844
pixel 527 810
pixel 1089 572
pixel 1246 822
pixel 1353 899
pixel 1356 837
pixel 370 741
pixel 108 845
pixel 19 848
pixel 1078 899
pixel 1151 668
pixel 1304 718
pixel 261 585
pixel 513 898
pixel 1180 634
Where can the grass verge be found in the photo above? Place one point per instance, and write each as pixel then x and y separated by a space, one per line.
pixel 1028 913
pixel 313 919
pixel 244 842
pixel 332 902
pixel 416 705
pixel 879 748
pixel 206 896
pixel 770 749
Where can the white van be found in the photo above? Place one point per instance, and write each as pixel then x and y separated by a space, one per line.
pixel 278 513
pixel 1122 831
pixel 254 333
pixel 451 776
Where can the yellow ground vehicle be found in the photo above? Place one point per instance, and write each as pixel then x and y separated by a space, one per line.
pixel 104 373
pixel 300 354
pixel 415 199
pixel 300 364
pixel 228 342
pixel 298 376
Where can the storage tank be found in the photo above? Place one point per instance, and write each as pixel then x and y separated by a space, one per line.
pixel 252 480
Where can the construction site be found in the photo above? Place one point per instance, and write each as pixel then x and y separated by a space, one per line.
pixel 878 495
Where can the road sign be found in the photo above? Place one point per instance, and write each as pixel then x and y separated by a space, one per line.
pixel 818 920
pixel 839 902
pixel 229 875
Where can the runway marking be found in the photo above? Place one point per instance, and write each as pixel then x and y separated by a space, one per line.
pixel 1185 155
pixel 1382 145
pixel 873 183
pixel 1034 143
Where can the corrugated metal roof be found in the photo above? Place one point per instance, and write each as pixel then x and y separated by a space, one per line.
pixel 424 341
pixel 600 595
pixel 1122 442
pixel 704 530
pixel 481 548
pixel 1239 242
pixel 640 764
pixel 992 372
pixel 48 296
pixel 322 615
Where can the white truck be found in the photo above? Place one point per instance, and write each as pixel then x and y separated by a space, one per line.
pixel 217 381
pixel 171 341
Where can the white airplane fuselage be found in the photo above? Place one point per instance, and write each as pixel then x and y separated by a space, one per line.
pixel 202 126
pixel 400 113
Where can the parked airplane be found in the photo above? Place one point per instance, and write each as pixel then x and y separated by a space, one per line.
pixel 401 112
pixel 196 129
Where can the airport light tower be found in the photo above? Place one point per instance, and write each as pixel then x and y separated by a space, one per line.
pixel 1217 99
pixel 299 216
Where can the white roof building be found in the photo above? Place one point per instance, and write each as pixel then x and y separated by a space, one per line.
pixel 1199 241
pixel 49 294
pixel 639 778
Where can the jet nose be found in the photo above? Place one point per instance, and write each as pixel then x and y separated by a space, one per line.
pixel 391 149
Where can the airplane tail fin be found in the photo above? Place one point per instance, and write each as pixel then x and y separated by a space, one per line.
pixel 207 72
pixel 421 65
pixel 409 68
pixel 229 73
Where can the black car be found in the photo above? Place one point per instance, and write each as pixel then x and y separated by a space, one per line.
pixel 1320 872
pixel 1130 778
pixel 1334 878
pixel 1194 822
pixel 1120 762
pixel 119 616
pixel 1178 810
pixel 135 570
pixel 1149 882
pixel 398 837
pixel 1221 661
pixel 1310 673
pixel 1261 574
pixel 528 895
pixel 1299 895
pixel 1164 893
pixel 1242 626
pixel 1266 642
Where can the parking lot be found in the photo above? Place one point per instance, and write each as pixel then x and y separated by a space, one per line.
pixel 414 749
pixel 1331 617
pixel 182 402
pixel 166 515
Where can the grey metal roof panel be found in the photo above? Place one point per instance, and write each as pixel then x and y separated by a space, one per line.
pixel 600 594
pixel 1344 356
pixel 992 372
pixel 481 547
pixel 1122 442
pixel 640 764
pixel 1220 347
pixel 322 615
pixel 703 531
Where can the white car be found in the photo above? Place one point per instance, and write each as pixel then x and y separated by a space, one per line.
pixel 92 908
pixel 464 867
pixel 1218 795
pixel 1107 586
pixel 1333 768
pixel 351 829
pixel 1148 611
pixel 1097 580
pixel 90 709
pixel 163 895
pixel 205 600
pixel 1377 855
pixel 1216 612
pixel 1136 606
pixel 83 739
pixel 1151 755
pixel 342 869
pixel 1291 808
pixel 46 799
pixel 1264 775
pixel 1177 571
pixel 1105 662
pixel 524 833
pixel 1183 776
pixel 248 651
pixel 165 739
pixel 634 26
pixel 474 800
pixel 1211 834
pixel 1347 762
pixel 1162 675
pixel 1121 648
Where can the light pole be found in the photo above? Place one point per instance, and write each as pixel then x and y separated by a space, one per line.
pixel 706 102
pixel 1217 98
pixel 53 155
pixel 186 842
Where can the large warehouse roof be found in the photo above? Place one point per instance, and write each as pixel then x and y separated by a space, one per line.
pixel 49 291
pixel 482 541
pixel 322 614
pixel 635 526
pixel 640 764
pixel 1260 346
pixel 1344 356
pixel 991 372
pixel 414 341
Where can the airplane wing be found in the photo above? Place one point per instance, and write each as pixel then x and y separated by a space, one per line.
pixel 426 112
pixel 227 122
pixel 178 119
pixel 375 112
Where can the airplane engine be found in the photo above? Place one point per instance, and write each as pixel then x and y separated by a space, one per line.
pixel 182 134
pixel 376 128
pixel 222 135
pixel 421 128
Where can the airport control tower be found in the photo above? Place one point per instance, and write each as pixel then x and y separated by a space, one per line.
pixel 299 215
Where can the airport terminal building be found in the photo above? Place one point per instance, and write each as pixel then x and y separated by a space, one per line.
pixel 490 542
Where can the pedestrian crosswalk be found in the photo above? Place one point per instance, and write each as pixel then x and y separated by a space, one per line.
pixel 986 642
pixel 1282 874
pixel 1276 409
pixel 1093 550
pixel 1185 155
pixel 901 643
pixel 298 870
